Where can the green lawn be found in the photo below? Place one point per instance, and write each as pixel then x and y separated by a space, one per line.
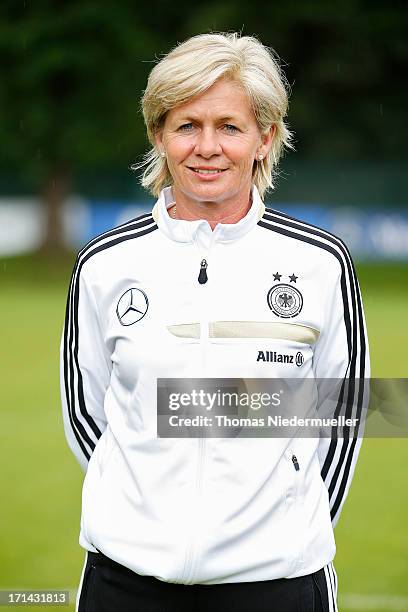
pixel 41 481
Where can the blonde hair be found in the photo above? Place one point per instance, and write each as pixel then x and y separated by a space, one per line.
pixel 194 66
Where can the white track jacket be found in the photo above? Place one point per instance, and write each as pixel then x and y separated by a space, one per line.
pixel 207 510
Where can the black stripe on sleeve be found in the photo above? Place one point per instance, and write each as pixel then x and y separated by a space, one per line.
pixel 353 319
pixel 362 346
pixel 72 374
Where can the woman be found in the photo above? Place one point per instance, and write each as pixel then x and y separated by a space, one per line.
pixel 210 284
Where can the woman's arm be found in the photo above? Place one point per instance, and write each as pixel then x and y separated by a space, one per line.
pixel 341 362
pixel 85 368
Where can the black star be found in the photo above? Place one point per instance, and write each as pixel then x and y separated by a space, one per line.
pixel 277 276
pixel 293 278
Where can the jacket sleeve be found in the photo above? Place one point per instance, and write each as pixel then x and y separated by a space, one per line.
pixel 341 363
pixel 85 368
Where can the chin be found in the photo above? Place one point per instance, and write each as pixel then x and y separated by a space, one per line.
pixel 208 192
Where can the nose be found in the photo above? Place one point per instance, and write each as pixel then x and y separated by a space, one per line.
pixel 207 143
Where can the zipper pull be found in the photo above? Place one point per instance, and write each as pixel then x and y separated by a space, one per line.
pixel 202 277
pixel 295 463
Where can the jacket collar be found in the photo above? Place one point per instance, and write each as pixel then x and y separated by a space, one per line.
pixel 192 231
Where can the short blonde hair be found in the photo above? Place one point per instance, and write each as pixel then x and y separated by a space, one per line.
pixel 194 66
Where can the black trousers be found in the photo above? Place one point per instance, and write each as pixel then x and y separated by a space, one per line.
pixel 107 586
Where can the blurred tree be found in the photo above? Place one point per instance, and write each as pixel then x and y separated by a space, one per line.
pixel 71 79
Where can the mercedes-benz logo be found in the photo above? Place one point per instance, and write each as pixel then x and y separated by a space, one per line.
pixel 132 306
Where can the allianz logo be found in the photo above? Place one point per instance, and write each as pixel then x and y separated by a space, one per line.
pixel 274 357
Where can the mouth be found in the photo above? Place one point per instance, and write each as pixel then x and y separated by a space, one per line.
pixel 207 171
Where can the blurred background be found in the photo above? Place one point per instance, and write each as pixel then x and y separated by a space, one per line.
pixel 70 124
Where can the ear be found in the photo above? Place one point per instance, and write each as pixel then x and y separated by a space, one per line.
pixel 159 140
pixel 266 139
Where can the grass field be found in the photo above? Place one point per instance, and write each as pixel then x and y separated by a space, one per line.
pixel 41 481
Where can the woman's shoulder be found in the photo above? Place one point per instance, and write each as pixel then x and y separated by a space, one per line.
pixel 299 226
pixel 313 238
pixel 112 241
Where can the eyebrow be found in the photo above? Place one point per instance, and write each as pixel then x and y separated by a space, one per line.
pixel 225 119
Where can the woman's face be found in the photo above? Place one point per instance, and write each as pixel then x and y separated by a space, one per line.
pixel 211 143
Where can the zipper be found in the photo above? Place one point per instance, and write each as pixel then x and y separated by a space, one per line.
pixel 203 290
pixel 190 560
pixel 202 277
pixel 293 483
pixel 295 493
pixel 295 463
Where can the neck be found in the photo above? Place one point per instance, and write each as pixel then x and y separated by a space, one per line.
pixel 227 212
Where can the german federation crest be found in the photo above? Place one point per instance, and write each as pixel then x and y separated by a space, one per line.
pixel 285 300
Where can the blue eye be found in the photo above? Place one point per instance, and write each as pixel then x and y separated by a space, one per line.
pixel 186 127
pixel 230 128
